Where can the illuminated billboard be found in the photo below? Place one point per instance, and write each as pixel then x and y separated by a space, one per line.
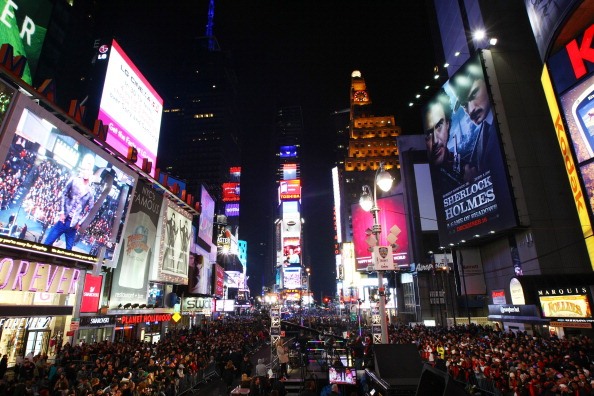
pixel 91 293
pixel 291 251
pixel 231 210
pixel 289 171
pixel 288 151
pixel 175 235
pixel 199 275
pixel 129 106
pixel 291 225
pixel 138 248
pixel 60 196
pixel 568 306
pixel 219 280
pixel 231 192
pixel 391 215
pixel 289 190
pixel 24 27
pixel 468 171
pixel 207 210
pixel 292 278
pixel 568 83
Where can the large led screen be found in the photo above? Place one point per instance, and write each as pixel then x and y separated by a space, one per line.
pixel 58 195
pixel 231 192
pixel 392 219
pixel 292 278
pixel 207 209
pixel 131 108
pixel 24 26
pixel 289 190
pixel 468 172
pixel 288 151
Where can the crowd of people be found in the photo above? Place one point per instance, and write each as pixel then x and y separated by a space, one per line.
pixel 134 367
pixel 498 362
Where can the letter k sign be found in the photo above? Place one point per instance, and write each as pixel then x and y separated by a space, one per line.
pixel 577 55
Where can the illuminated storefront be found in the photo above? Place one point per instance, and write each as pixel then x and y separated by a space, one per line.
pixel 37 304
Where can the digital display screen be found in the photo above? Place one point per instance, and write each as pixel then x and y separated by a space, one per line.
pixel 58 191
pixel 342 375
pixel 130 107
pixel 288 151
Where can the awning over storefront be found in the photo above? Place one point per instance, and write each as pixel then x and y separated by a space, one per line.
pixel 516 313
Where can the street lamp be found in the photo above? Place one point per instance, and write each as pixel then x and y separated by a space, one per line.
pixel 368 203
pixel 307 270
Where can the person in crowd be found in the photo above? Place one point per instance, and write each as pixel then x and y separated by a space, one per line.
pixel 246 366
pixel 77 199
pixel 282 352
pixel 229 374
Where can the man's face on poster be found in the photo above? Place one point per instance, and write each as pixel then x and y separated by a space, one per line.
pixel 476 103
pixel 437 133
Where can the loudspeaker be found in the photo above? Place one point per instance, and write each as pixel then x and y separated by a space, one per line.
pixel 398 364
pixel 438 382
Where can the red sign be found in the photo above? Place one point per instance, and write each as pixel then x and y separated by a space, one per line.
pixel 219 280
pixel 290 190
pixel 231 192
pixel 134 319
pixel 91 293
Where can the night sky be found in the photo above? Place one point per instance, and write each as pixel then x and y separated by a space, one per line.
pixel 297 52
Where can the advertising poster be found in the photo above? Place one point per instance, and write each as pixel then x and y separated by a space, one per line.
pixel 198 280
pixel 130 106
pixel 138 247
pixel 207 206
pixel 56 190
pixel 219 281
pixel 392 219
pixel 91 293
pixel 292 278
pixel 24 27
pixel 468 172
pixel 175 235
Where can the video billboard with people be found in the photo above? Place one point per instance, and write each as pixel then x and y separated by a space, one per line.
pixel 58 194
pixel 469 176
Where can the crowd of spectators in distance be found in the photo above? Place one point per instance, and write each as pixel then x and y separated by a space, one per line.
pixel 133 367
pixel 502 362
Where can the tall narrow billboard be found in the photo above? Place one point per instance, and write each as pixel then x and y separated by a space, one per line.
pixel 207 209
pixel 130 279
pixel 129 106
pixel 468 171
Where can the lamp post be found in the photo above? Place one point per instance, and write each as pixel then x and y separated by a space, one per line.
pixel 368 202
pixel 308 271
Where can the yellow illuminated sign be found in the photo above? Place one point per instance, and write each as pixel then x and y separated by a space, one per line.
pixel 570 166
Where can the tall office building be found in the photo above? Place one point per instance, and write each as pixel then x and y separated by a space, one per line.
pixel 199 140
pixel 289 271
